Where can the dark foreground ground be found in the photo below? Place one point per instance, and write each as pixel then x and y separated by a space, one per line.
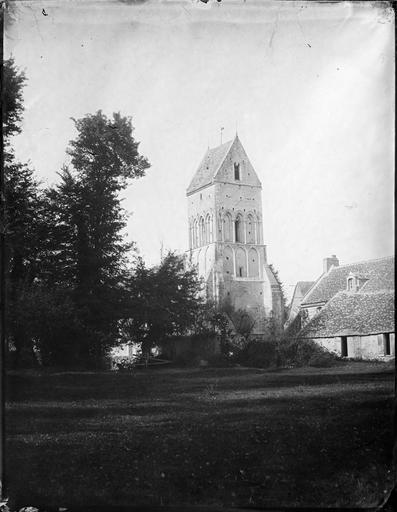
pixel 216 437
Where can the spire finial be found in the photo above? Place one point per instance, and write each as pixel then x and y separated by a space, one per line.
pixel 236 129
pixel 222 128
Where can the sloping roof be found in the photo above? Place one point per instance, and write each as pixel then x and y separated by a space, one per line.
pixel 380 275
pixel 209 166
pixel 302 287
pixel 272 278
pixel 300 290
pixel 353 314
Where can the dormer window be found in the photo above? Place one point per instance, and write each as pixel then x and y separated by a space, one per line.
pixel 355 282
pixel 237 172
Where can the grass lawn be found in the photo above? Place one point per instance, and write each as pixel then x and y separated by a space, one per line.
pixel 217 437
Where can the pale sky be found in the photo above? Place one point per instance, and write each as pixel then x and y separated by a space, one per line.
pixel 309 86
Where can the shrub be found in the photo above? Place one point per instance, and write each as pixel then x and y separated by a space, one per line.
pixel 259 354
pixel 322 360
pixel 219 361
pixel 123 364
pixel 294 352
pixel 188 358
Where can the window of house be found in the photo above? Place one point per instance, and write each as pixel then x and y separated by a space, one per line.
pixel 350 284
pixel 240 271
pixel 237 172
pixel 386 343
pixel 344 346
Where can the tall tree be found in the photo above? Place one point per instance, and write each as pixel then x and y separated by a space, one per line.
pixel 14 81
pixel 92 253
pixel 165 301
pixel 23 206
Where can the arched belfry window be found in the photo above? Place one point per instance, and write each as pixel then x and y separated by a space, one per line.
pixel 208 230
pixel 191 234
pixel 253 263
pixel 241 263
pixel 195 233
pixel 228 233
pixel 250 230
pixel 202 231
pixel 258 230
pixel 237 171
pixel 228 261
pixel 239 229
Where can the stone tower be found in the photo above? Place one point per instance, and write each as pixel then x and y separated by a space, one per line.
pixel 225 234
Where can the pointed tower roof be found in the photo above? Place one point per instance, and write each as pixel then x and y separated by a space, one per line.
pixel 210 166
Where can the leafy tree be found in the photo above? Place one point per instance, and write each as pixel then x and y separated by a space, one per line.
pixel 12 99
pixel 89 247
pixel 23 207
pixel 45 319
pixel 165 301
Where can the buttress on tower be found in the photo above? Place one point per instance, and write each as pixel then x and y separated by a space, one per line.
pixel 226 234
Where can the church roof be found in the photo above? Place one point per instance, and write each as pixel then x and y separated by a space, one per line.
pixel 302 287
pixel 209 166
pixel 380 275
pixel 353 314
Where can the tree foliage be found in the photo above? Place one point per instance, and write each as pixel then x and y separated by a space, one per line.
pixel 90 252
pixel 72 292
pixel 14 81
pixel 24 219
pixel 164 301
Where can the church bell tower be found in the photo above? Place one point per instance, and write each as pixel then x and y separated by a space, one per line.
pixel 226 234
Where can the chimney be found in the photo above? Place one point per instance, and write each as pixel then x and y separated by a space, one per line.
pixel 330 262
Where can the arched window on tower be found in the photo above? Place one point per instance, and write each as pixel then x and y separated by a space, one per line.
pixel 208 229
pixel 253 263
pixel 228 264
pixel 194 234
pixel 202 231
pixel 228 233
pixel 239 229
pixel 241 263
pixel 220 228
pixel 250 230
pixel 258 229
pixel 191 234
pixel 237 176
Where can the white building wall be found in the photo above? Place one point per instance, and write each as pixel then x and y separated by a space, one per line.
pixel 360 347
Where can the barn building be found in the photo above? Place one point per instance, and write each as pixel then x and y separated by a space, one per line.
pixel 350 309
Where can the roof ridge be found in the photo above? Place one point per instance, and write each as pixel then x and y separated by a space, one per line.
pixel 224 156
pixel 363 261
pixel 333 271
pixel 219 145
pixel 209 166
pixel 313 286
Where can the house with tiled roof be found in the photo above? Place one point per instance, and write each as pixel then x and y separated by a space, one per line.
pixel 350 310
